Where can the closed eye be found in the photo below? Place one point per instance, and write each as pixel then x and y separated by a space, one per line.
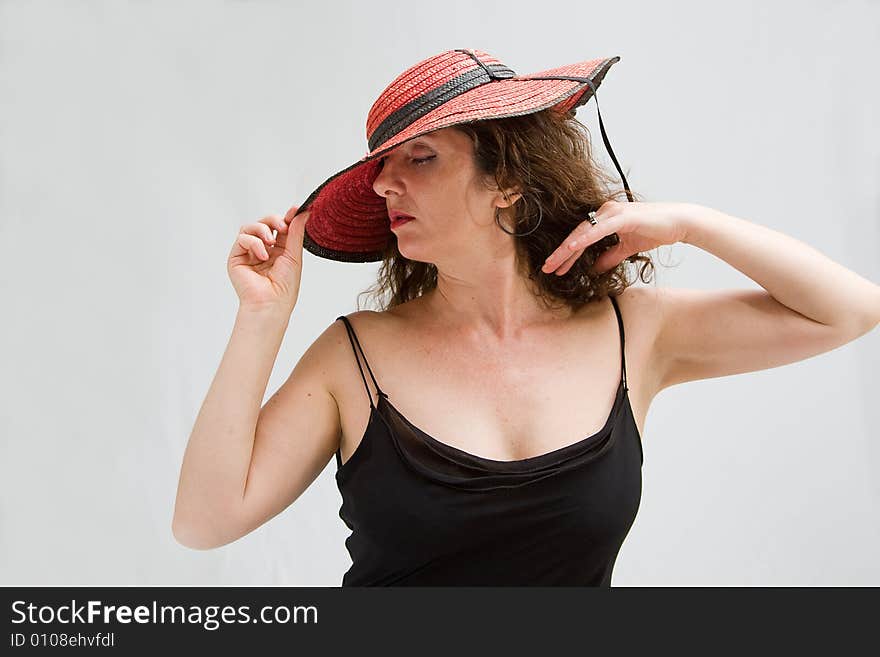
pixel 415 160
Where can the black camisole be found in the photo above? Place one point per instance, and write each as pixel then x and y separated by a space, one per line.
pixel 425 513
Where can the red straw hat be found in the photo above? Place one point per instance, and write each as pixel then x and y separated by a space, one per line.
pixel 348 221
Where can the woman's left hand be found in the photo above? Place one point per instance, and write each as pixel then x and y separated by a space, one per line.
pixel 640 227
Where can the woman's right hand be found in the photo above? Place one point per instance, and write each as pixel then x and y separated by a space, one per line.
pixel 265 270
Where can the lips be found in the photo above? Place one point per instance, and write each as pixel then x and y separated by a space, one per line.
pixel 398 219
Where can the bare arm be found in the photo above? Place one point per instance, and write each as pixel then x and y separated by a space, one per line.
pixel 795 274
pixel 218 455
pixel 809 305
pixel 244 464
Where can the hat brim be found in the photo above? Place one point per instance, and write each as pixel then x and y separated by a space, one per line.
pixel 348 221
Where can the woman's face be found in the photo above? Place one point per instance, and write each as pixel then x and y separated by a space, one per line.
pixel 434 179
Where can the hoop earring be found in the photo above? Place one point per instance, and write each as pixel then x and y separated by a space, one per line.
pixel 540 218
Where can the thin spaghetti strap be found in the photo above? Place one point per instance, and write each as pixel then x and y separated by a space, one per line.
pixel 622 342
pixel 352 337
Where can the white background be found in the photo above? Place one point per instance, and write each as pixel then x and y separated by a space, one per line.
pixel 135 139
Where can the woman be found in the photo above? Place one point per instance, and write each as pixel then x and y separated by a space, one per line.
pixel 487 421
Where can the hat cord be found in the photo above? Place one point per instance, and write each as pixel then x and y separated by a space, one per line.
pixel 605 139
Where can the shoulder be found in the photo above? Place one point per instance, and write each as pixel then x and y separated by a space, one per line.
pixel 637 295
pixel 640 309
pixel 335 341
pixel 366 320
pixel 337 348
pixel 332 349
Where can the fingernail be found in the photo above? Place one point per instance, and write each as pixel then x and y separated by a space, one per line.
pixel 572 245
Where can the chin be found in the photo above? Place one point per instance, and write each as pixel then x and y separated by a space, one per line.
pixel 408 252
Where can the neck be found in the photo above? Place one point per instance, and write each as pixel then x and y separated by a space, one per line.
pixel 491 303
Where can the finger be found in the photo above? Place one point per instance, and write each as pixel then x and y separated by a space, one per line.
pixel 291 213
pixel 293 243
pixel 609 259
pixel 265 229
pixel 262 232
pixel 256 246
pixel 253 245
pixel 275 221
pixel 572 247
pixel 558 256
pixel 569 263
pixel 248 237
pixel 295 250
pixel 261 229
pixel 590 235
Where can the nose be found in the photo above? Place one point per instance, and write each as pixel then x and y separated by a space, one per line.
pixel 386 181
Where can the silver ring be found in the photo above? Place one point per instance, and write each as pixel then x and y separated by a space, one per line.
pixel 592 217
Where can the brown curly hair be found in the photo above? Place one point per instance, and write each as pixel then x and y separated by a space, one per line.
pixel 547 155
